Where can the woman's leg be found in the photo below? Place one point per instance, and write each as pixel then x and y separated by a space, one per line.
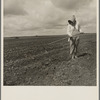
pixel 72 47
pixel 76 46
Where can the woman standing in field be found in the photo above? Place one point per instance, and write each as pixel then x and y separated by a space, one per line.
pixel 73 31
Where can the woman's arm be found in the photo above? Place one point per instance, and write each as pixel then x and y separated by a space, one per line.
pixel 69 30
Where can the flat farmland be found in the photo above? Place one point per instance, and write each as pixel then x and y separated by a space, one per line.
pixel 36 61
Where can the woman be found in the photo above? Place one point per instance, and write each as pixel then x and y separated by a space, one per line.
pixel 73 31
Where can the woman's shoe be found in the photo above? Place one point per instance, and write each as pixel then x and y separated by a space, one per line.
pixel 76 57
pixel 73 57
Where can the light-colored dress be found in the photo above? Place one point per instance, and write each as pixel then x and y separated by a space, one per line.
pixel 73 32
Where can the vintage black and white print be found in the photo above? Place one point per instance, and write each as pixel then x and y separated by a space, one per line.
pixel 50 43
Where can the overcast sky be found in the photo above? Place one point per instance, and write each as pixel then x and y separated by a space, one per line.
pixel 47 17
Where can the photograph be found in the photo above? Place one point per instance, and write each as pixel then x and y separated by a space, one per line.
pixel 50 43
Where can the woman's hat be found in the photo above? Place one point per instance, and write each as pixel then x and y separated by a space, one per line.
pixel 72 20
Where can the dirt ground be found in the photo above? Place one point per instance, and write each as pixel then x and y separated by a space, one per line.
pixel 32 61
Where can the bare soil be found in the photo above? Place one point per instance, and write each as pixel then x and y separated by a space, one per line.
pixel 32 61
